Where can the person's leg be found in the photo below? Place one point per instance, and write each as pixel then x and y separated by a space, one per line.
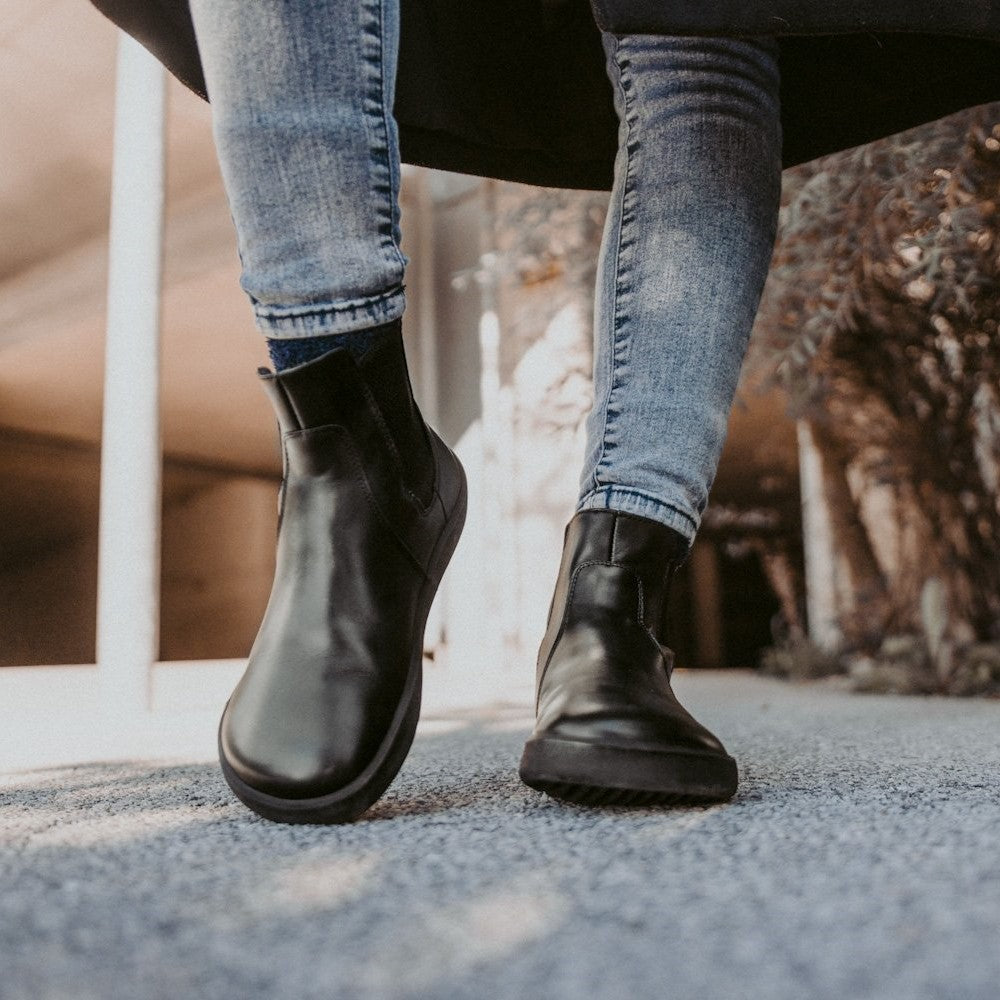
pixel 688 240
pixel 687 243
pixel 372 500
pixel 301 97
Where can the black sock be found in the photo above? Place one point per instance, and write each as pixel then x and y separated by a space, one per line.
pixel 287 353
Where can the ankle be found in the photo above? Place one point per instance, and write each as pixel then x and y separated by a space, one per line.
pixel 338 386
pixel 290 352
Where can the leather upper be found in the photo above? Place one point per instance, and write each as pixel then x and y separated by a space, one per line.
pixel 603 673
pixel 341 632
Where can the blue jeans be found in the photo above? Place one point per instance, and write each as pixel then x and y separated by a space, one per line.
pixel 302 97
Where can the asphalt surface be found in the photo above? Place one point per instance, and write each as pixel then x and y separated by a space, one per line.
pixel 860 858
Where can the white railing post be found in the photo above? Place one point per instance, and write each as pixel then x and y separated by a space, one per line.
pixel 128 583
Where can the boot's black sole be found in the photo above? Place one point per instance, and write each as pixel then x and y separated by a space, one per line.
pixel 592 774
pixel 350 802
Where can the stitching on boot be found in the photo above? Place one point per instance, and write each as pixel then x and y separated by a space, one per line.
pixel 359 475
pixel 569 603
pixel 394 450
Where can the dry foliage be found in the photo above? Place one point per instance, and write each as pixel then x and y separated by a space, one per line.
pixel 881 320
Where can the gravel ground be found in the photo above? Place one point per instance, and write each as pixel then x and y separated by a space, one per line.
pixel 859 859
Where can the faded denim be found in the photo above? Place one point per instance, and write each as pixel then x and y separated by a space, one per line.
pixel 687 244
pixel 302 98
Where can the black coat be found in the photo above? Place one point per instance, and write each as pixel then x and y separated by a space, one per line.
pixel 517 89
pixel 974 18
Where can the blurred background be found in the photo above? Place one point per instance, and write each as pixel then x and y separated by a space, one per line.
pixel 854 526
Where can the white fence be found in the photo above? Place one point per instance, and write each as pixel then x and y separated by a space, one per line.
pixel 127 703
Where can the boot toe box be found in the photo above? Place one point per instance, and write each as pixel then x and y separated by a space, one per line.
pixel 299 756
pixel 627 716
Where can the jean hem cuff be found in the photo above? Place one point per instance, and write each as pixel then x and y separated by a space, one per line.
pixel 632 501
pixel 330 318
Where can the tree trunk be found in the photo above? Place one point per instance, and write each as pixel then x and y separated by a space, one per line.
pixel 862 594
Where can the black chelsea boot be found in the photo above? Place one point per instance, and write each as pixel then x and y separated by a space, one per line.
pixel 609 729
pixel 372 504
